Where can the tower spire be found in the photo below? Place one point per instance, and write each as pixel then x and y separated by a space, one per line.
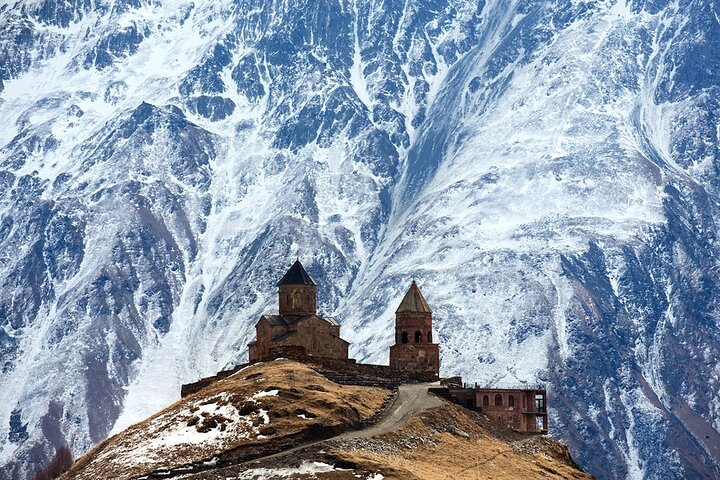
pixel 296 275
pixel 297 292
pixel 413 301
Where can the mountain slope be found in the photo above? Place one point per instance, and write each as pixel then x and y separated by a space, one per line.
pixel 546 171
pixel 259 409
pixel 269 421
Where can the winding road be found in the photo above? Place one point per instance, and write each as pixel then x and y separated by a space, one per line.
pixel 411 401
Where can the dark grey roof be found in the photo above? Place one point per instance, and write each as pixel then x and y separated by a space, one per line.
pixel 341 339
pixel 413 301
pixel 296 275
pixel 274 319
pixel 329 320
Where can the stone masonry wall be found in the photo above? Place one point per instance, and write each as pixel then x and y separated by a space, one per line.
pixel 318 337
pixel 343 371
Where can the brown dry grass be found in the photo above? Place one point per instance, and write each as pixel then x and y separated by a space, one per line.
pixel 302 391
pixel 435 446
pixel 447 442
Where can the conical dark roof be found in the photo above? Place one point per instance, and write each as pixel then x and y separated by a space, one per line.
pixel 413 301
pixel 296 275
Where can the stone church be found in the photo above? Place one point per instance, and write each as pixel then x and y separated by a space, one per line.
pixel 298 323
pixel 299 326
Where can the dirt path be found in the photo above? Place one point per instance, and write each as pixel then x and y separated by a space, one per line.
pixel 412 400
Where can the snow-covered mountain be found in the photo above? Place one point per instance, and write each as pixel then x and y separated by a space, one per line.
pixel 546 171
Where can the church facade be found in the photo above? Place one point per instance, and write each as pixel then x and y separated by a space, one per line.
pixel 299 326
pixel 298 323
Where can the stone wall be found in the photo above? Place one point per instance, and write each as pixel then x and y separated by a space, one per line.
pixel 319 338
pixel 513 408
pixel 316 335
pixel 344 371
pixel 411 322
pixel 291 352
pixel 416 358
pixel 297 299
pixel 263 334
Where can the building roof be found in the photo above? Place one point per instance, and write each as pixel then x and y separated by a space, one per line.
pixel 297 275
pixel 292 333
pixel 300 319
pixel 413 301
pixel 274 319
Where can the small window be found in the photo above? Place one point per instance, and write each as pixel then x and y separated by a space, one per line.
pixel 404 337
pixel 429 337
pixel 486 401
pixel 498 400
pixel 511 401
pixel 418 337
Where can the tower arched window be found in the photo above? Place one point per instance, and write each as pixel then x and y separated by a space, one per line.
pixel 429 336
pixel 404 337
pixel 486 401
pixel 511 401
pixel 498 400
pixel 418 337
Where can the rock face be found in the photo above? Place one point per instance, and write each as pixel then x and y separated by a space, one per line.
pixel 547 172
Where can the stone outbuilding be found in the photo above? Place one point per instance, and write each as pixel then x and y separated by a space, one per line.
pixel 521 408
pixel 414 350
pixel 518 409
pixel 298 324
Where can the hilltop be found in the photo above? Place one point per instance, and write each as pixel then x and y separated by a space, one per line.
pixel 282 419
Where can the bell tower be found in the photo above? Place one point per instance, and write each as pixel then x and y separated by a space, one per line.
pixel 297 292
pixel 414 350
